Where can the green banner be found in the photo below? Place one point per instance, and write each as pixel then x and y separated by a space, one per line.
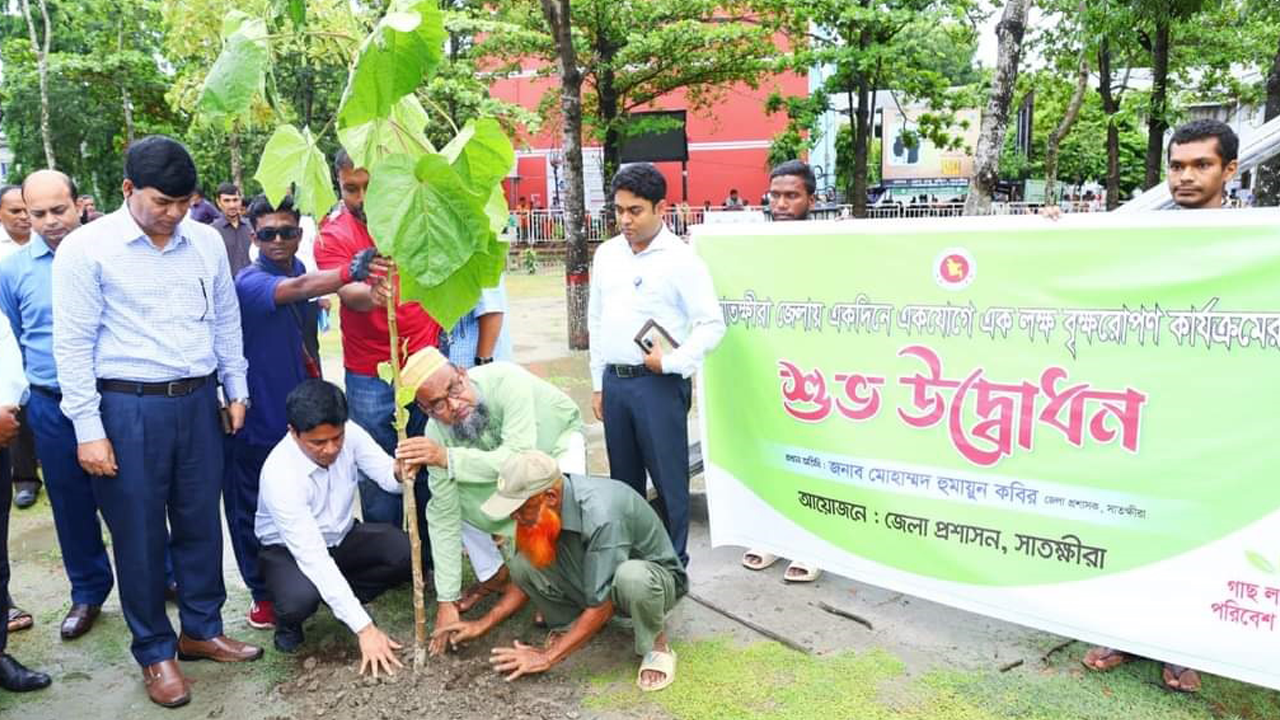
pixel 1065 424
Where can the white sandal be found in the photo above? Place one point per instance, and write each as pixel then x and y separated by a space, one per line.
pixel 658 661
pixel 758 559
pixel 807 573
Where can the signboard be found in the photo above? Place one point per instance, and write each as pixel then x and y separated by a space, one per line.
pixel 900 161
pixel 1066 425
pixel 669 145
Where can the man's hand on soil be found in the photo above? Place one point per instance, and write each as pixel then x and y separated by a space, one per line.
pixel 97 457
pixel 459 632
pixel 519 659
pixel 377 650
pixel 446 616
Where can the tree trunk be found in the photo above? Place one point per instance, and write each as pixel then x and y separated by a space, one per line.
pixel 125 98
pixel 410 502
pixel 995 118
pixel 607 95
pixel 1110 106
pixel 1064 127
pixel 861 143
pixel 237 164
pixel 576 263
pixel 42 68
pixel 1267 185
pixel 1156 120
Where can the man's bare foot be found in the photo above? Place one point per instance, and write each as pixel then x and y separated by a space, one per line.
pixel 1181 679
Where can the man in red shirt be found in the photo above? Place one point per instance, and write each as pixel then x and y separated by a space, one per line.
pixel 365 339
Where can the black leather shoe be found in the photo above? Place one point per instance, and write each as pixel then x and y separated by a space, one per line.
pixel 79 620
pixel 16 678
pixel 25 493
pixel 288 637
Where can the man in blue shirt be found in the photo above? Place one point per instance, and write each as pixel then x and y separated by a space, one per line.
pixel 145 325
pixel 26 298
pixel 274 294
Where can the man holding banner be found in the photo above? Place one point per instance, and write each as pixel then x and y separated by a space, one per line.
pixel 1202 160
pixel 790 197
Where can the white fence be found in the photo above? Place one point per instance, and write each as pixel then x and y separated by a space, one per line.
pixel 544 227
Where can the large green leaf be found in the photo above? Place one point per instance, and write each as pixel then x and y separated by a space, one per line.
pixel 497 211
pixel 406 45
pixel 424 216
pixel 402 132
pixel 481 154
pixel 240 70
pixel 458 295
pixel 292 162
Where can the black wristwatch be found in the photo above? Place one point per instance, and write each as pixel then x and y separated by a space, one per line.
pixel 483 360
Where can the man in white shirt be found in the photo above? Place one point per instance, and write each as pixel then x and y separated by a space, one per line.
pixel 312 547
pixel 643 397
pixel 13 386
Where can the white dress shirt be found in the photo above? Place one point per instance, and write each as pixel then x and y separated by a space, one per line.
pixel 310 509
pixel 13 381
pixel 667 283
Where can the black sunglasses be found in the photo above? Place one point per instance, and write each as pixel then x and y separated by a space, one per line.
pixel 287 232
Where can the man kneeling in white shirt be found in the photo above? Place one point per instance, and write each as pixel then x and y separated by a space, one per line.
pixel 313 548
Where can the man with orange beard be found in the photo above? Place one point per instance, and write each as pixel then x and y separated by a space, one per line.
pixel 586 549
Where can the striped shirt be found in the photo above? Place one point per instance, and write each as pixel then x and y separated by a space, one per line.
pixel 125 310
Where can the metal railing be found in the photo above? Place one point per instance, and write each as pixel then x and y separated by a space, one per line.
pixel 547 227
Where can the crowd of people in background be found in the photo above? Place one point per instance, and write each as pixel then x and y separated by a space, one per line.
pixel 164 356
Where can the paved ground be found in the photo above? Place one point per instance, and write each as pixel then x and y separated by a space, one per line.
pixel 912 658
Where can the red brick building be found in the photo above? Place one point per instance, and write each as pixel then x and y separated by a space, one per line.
pixel 728 145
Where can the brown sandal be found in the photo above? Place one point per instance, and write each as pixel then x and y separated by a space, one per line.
pixel 1102 659
pixel 481 590
pixel 1181 678
pixel 19 620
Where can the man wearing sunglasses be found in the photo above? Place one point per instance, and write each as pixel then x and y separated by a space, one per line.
pixel 464 426
pixel 276 315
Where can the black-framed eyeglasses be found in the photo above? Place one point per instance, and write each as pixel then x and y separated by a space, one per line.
pixel 286 232
pixel 437 407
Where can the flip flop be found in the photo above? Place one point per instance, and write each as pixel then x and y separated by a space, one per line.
pixel 1102 659
pixel 805 573
pixel 1181 678
pixel 758 559
pixel 19 619
pixel 659 661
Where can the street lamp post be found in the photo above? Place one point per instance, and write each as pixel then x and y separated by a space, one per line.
pixel 556 161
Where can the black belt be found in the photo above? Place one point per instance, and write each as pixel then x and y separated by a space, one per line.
pixel 628 371
pixel 54 393
pixel 173 388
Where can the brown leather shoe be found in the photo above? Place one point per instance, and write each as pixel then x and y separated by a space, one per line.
pixel 78 620
pixel 165 684
pixel 220 648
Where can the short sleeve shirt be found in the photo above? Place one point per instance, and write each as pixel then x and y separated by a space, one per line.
pixel 273 347
pixel 365 338
pixel 604 523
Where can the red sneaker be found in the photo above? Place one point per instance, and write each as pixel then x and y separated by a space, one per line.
pixel 262 615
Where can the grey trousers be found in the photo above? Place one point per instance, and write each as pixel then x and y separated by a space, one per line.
pixel 642 591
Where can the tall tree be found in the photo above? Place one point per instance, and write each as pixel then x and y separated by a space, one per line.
pixel 577 290
pixel 635 52
pixel 1155 35
pixel 875 45
pixel 41 49
pixel 995 117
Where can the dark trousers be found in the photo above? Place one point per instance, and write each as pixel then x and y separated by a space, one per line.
pixel 373 404
pixel 6 496
pixel 75 505
pixel 240 499
pixel 169 452
pixel 373 557
pixel 22 456
pixel 645 430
